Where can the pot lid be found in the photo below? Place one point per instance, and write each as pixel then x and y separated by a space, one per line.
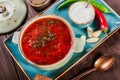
pixel 12 13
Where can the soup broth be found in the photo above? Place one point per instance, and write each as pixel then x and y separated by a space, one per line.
pixel 46 41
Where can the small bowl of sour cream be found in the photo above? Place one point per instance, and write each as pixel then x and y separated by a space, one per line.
pixel 81 14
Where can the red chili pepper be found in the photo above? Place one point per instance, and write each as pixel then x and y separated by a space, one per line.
pixel 102 21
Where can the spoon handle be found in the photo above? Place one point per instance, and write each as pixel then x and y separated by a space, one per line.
pixel 83 74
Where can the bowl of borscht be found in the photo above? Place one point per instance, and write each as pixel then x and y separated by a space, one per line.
pixel 47 42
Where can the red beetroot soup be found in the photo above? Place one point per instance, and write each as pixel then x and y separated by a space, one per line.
pixel 46 41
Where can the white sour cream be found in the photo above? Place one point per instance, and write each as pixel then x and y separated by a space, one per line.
pixel 80 14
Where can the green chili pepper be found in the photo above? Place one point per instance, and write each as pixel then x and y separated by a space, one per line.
pixel 65 3
pixel 93 2
pixel 101 7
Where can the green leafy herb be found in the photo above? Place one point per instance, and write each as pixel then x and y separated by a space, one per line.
pixel 100 7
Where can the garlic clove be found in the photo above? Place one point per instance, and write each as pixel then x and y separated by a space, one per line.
pixel 97 33
pixel 90 32
pixel 92 40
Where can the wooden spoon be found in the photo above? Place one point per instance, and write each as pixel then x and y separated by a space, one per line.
pixel 101 64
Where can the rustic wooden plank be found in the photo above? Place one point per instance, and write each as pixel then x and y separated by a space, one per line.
pixel 19 72
pixel 6 61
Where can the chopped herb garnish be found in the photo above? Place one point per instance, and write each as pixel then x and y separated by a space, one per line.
pixel 50 21
pixel 41 41
pixel 50 36
pixel 37 45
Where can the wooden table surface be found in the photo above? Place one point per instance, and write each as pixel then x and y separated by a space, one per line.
pixel 9 70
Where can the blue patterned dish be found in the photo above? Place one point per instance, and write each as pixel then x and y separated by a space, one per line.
pixel 113 21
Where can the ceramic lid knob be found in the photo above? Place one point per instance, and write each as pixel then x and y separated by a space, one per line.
pixel 3 11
